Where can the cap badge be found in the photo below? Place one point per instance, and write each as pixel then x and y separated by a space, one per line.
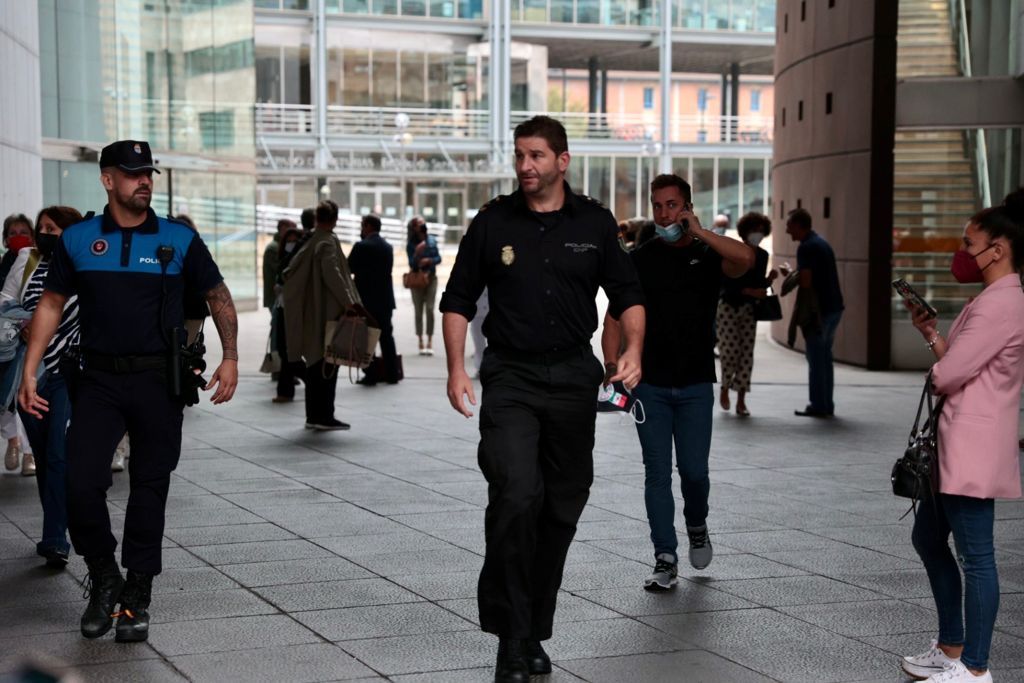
pixel 508 255
pixel 137 148
pixel 99 247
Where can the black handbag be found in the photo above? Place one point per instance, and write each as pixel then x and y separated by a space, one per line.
pixel 916 474
pixel 769 308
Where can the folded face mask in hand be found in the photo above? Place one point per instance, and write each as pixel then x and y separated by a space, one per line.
pixel 615 398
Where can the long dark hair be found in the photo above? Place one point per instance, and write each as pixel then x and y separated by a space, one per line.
pixel 1006 221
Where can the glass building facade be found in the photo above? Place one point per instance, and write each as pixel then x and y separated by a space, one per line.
pixel 177 73
pixel 407 106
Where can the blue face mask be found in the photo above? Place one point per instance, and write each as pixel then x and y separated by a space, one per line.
pixel 671 233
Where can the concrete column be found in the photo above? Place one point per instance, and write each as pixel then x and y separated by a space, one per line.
pixel 20 135
pixel 320 100
pixel 665 158
pixel 734 99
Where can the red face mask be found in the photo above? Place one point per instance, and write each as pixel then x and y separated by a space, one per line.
pixel 965 266
pixel 18 242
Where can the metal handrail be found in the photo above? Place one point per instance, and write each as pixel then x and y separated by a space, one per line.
pixel 958 19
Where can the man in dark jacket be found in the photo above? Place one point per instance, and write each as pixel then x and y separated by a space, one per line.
pixel 370 261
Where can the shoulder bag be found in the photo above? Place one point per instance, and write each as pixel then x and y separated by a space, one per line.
pixel 916 474
pixel 768 308
pixel 416 279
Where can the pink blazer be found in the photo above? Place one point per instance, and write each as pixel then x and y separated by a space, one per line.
pixel 981 376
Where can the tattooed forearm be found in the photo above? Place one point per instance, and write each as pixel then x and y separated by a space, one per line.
pixel 222 310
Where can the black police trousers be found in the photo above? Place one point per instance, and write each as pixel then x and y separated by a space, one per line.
pixel 104 406
pixel 536 451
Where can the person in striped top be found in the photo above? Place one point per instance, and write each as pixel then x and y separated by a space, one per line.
pixel 48 434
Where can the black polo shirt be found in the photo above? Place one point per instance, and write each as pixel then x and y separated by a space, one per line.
pixel 681 285
pixel 541 271
pixel 116 274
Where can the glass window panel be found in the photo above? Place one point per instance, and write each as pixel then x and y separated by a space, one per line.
pixel 729 189
pixel 743 15
pixel 355 6
pixel 471 9
pixel 295 4
pixel 702 185
pixel 444 9
pixel 535 10
pixel 646 13
pixel 413 69
pixel 648 169
pixel 411 8
pixel 588 11
pixel 600 177
pixel 766 16
pixel 691 14
pixel 385 78
pixel 561 11
pixel 617 13
pixel 268 74
pixel 268 4
pixel 625 187
pixel 574 176
pixel 355 80
pixel 753 185
pixel 718 15
pixel 295 76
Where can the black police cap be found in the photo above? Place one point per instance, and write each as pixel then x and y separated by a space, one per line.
pixel 131 156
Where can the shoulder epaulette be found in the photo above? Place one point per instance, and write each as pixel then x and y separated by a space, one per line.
pixel 588 198
pixel 174 219
pixel 497 200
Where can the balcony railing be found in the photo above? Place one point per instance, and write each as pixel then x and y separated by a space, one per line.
pixel 389 122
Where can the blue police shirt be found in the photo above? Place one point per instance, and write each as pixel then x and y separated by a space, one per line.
pixel 118 278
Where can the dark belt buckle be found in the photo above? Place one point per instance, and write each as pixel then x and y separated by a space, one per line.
pixel 122 365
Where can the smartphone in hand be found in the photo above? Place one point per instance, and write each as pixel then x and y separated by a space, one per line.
pixel 904 289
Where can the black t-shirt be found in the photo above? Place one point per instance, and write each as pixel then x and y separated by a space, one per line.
pixel 681 286
pixel 815 254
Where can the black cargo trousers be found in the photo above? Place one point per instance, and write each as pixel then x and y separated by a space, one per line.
pixel 536 451
pixel 105 405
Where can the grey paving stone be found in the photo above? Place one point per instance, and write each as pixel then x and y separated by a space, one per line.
pixel 288 572
pixel 211 469
pixel 296 550
pixel 570 609
pixel 222 486
pixel 847 559
pixel 330 519
pixel 444 561
pixel 796 590
pixel 222 635
pixel 378 621
pixel 195 518
pixel 897 584
pixel 191 579
pixel 431 652
pixel 148 670
pixel 186 606
pixel 1007 649
pixel 447 586
pixel 480 675
pixel 232 533
pixel 68 648
pixel 294 663
pixel 607 638
pixel 669 667
pixel 36 619
pixel 755 639
pixel 772 541
pixel 269 499
pixel 334 594
pixel 634 601
pixel 381 544
pixel 879 617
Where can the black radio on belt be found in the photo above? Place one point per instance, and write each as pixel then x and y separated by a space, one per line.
pixel 186 364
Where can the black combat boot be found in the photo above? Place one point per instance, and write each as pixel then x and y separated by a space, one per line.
pixel 133 618
pixel 537 661
pixel 103 587
pixel 511 666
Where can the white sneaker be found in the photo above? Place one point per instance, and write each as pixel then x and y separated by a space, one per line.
pixel 12 457
pixel 934 661
pixel 956 672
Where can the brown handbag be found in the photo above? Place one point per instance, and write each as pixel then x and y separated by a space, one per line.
pixel 416 279
pixel 351 340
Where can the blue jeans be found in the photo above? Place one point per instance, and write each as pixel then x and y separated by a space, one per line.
pixel 48 437
pixel 820 380
pixel 971 521
pixel 682 415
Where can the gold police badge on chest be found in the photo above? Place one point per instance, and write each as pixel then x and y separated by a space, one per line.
pixel 508 255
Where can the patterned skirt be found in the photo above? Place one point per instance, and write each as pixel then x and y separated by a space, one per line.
pixel 737 329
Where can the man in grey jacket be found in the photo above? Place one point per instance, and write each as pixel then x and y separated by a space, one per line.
pixel 318 288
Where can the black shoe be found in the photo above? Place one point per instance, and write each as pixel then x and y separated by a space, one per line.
pixel 537 661
pixel 55 559
pixel 331 425
pixel 811 412
pixel 133 617
pixel 103 587
pixel 366 382
pixel 511 666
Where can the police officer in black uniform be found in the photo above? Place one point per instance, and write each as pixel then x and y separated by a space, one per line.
pixel 131 271
pixel 541 252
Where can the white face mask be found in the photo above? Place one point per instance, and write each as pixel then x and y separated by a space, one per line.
pixel 754 239
pixel 289 247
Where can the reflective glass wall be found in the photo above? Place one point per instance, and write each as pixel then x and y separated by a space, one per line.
pixel 178 73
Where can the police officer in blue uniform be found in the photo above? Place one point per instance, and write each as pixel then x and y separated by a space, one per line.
pixel 131 271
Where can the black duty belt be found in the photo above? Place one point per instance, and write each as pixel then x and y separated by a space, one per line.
pixel 540 357
pixel 122 365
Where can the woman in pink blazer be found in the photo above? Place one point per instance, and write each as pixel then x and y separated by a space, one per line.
pixel 980 371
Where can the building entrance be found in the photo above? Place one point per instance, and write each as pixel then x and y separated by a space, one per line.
pixel 386 202
pixel 442 205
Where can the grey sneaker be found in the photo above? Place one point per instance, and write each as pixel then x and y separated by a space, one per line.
pixel 700 546
pixel 663 578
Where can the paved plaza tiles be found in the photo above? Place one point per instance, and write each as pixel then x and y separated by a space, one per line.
pixel 299 556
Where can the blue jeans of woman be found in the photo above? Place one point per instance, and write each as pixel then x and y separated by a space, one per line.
pixel 48 436
pixel 967 612
pixel 679 415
